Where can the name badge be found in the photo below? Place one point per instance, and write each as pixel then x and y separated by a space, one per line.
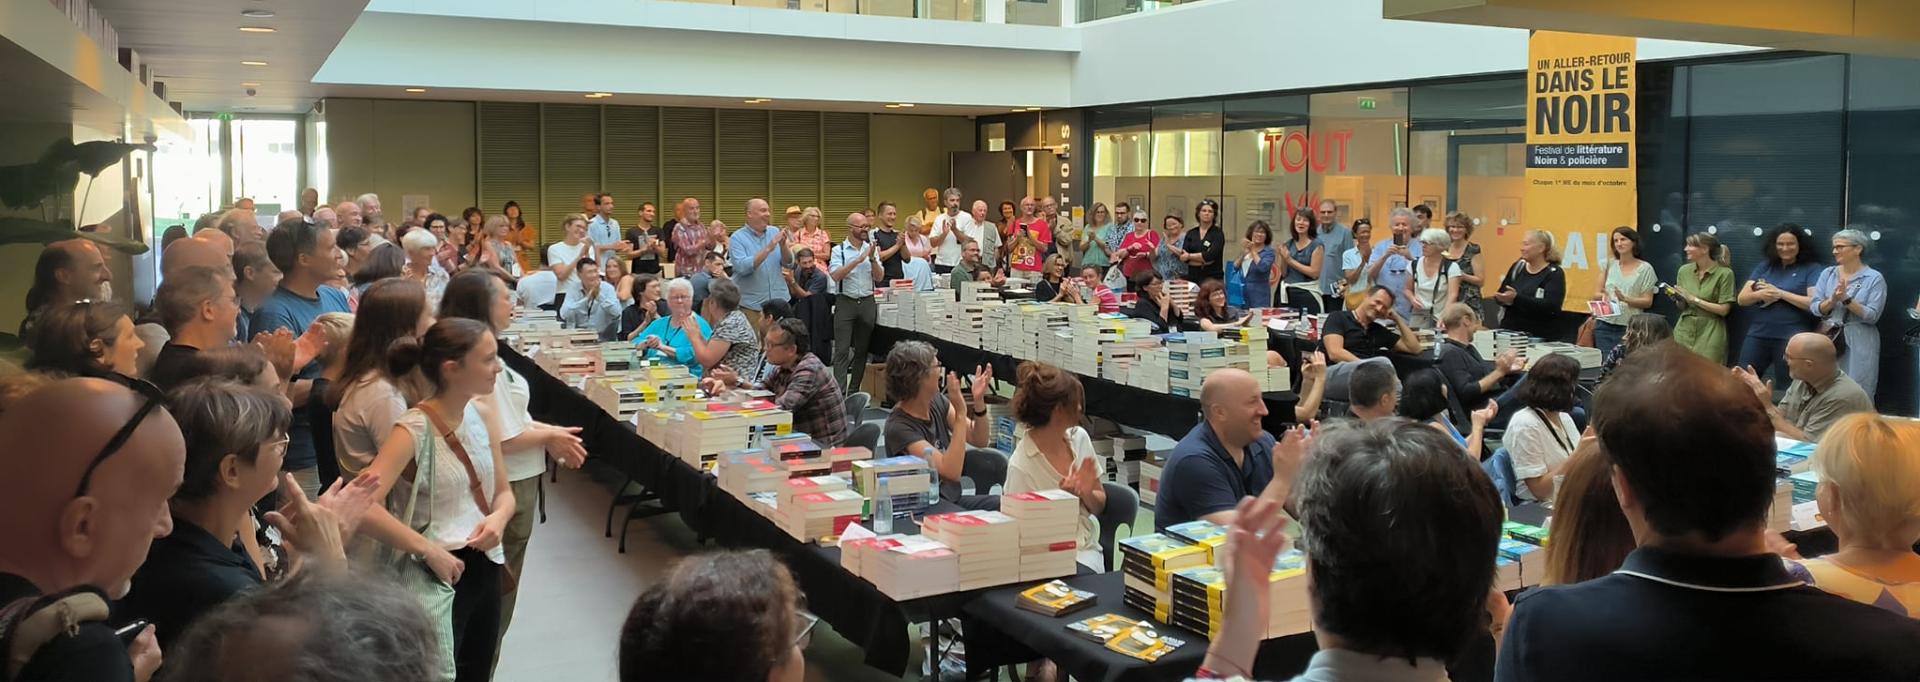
pixel 1540 293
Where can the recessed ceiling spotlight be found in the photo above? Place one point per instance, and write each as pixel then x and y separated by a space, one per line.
pixel 249 85
pixel 256 29
pixel 416 89
pixel 252 62
pixel 257 13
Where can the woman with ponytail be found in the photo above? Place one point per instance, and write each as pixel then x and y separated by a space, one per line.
pixel 366 400
pixel 442 472
pixel 1703 288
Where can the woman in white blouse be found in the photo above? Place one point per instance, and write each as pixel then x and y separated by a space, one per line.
pixel 482 296
pixel 1542 435
pixel 1055 452
pixel 1435 283
pixel 444 473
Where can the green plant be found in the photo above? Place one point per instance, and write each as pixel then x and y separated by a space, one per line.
pixel 30 185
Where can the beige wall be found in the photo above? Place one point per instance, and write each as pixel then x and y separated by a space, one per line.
pixel 396 148
pixel 907 154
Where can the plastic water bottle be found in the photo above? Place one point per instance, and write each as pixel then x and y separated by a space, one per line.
pixel 883 514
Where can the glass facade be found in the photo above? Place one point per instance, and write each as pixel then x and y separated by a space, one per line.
pixel 1730 146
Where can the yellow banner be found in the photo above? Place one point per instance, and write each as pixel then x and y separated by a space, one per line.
pixel 1580 155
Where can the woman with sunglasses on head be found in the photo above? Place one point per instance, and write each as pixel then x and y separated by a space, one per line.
pixel 236 437
pixel 746 599
pixel 86 338
pixel 452 502
pixel 482 296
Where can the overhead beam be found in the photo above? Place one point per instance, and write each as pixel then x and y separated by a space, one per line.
pixel 1883 27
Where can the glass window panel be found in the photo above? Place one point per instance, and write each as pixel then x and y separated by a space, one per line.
pixel 265 165
pixel 1357 151
pixel 1883 130
pixel 1260 183
pixel 1186 158
pixel 1122 152
pixel 1467 150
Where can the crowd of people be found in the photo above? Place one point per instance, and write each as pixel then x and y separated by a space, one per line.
pixel 308 461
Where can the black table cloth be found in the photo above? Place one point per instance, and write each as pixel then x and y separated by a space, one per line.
pixel 1134 407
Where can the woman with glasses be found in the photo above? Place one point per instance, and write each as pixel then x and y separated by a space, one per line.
pixel 744 599
pixel 1170 259
pixel 86 338
pixel 1096 241
pixel 1256 266
pixel 1848 298
pixel 451 500
pixel 236 438
pixel 670 338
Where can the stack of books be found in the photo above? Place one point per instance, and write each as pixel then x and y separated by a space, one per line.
pixel 1003 430
pixel 1589 358
pixel 816 507
pixel 988 543
pixel 696 436
pixel 619 356
pixel 1049 531
pixel 1204 534
pixel 1149 562
pixel 1805 484
pixel 906 481
pixel 1791 456
pixel 1054 599
pixel 1530 561
pixel 977 292
pixel 1532 535
pixel 910 567
pixel 571 365
pixel 1150 471
pixel 840 460
pixel 1182 293
pixel 748 471
pixel 1191 356
pixel 621 397
pixel 1200 598
pixel 1150 370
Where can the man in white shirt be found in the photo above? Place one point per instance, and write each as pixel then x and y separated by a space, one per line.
pixel 604 230
pixel 975 228
pixel 536 289
pixel 947 230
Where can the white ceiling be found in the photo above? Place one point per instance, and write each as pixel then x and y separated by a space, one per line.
pixel 195 47
pixel 467 94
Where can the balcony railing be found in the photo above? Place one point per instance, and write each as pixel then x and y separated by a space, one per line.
pixel 1026 12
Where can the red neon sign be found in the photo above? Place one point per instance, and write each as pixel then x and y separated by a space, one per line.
pixel 1295 149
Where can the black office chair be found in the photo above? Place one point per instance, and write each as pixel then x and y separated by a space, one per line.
pixel 1123 509
pixel 865 436
pixel 857 407
pixel 983 469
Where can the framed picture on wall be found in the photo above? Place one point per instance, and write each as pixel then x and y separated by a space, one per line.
pixel 1137 202
pixel 1509 210
pixel 1433 204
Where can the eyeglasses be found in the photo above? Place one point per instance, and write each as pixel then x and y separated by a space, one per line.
pixel 803 635
pixel 153 399
pixel 1139 220
pixel 276 447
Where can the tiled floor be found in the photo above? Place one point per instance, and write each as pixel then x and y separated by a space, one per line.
pixel 576 591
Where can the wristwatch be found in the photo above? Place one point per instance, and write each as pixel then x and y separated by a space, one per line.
pixel 977 413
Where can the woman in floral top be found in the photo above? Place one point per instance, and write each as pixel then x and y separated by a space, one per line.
pixel 733 344
pixel 812 236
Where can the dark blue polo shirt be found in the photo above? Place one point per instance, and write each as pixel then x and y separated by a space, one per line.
pixel 1201 479
pixel 187 574
pixel 1671 616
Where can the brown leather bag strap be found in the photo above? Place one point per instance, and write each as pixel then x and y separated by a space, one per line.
pixel 453 442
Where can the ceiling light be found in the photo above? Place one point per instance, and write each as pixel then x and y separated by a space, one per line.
pixel 893 106
pixel 252 62
pixel 257 13
pixel 1018 110
pixel 249 85
pixel 416 89
pixel 256 29
pixel 1033 108
pixel 599 95
pixel 905 105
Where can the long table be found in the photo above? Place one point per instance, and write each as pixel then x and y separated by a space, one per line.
pixel 1168 415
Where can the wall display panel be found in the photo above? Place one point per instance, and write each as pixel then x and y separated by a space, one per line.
pixel 687 157
pixel 633 162
pixel 509 150
pixel 1357 151
pixel 1883 131
pixel 844 142
pixel 795 179
pixel 1264 159
pixel 742 162
pixel 569 162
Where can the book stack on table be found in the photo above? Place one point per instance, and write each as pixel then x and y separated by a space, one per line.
pixel 619 356
pixel 1150 471
pixel 1002 427
pixel 1526 562
pixel 815 507
pixel 1049 531
pixel 987 542
pixel 1492 342
pixel 1791 456
pixel 906 481
pixel 621 396
pixel 1191 356
pixel 1805 484
pixel 696 436
pixel 1182 293
pixel 570 365
pixel 1149 562
pixel 1589 358
pixel 965 323
pixel 1200 598
pixel 1150 370
pixel 1204 534
pixel 1054 599
pixel 840 460
pixel 977 292
pixel 910 566
pixel 1532 535
pixel 748 471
